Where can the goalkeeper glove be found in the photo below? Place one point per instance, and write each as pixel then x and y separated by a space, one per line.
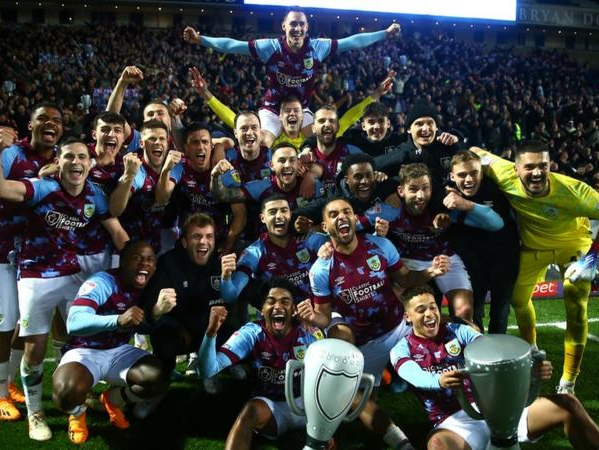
pixel 585 268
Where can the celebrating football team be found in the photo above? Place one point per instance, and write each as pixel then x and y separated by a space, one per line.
pixel 316 224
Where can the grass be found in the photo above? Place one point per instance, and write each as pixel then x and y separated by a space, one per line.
pixel 190 419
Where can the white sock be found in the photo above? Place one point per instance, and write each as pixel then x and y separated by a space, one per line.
pixel 31 376
pixel 394 436
pixel 4 379
pixel 77 411
pixel 14 364
pixel 566 383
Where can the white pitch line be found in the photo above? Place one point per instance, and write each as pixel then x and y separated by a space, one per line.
pixel 562 326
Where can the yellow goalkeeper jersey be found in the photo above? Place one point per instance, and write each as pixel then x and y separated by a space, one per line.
pixel 556 220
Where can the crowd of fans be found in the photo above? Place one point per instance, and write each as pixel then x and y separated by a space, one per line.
pixel 492 96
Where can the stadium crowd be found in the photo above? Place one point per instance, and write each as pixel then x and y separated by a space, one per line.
pixel 494 96
pixel 134 200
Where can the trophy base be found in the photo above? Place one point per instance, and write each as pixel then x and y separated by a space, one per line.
pixel 314 444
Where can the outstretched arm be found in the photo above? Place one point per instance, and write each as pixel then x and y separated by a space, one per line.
pixel 220 44
pixel 365 39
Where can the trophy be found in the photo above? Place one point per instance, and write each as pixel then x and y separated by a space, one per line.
pixel 500 370
pixel 331 373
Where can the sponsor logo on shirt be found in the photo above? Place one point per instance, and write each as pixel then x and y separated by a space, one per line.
pixel 360 293
pixel 271 375
pixel 291 81
pixel 62 221
pixel 86 288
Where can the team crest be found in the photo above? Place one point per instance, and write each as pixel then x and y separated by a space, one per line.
pixel 88 210
pixel 445 162
pixel 215 283
pixel 303 255
pixel 265 173
pixel 299 351
pixel 374 263
pixel 308 62
pixel 453 347
pixel 24 323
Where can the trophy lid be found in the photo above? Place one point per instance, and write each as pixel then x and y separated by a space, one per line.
pixel 497 349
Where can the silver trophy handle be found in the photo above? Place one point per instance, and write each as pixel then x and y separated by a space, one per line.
pixel 293 365
pixel 465 404
pixel 535 382
pixel 368 383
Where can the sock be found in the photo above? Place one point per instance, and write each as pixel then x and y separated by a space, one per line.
pixel 4 379
pixel 115 396
pixel 31 376
pixel 14 364
pixel 572 361
pixel 394 436
pixel 77 411
pixel 57 346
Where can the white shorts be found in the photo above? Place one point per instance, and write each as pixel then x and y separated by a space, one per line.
pixel 271 122
pixel 456 278
pixel 91 264
pixel 377 351
pixel 9 300
pixel 38 297
pixel 111 365
pixel 476 432
pixel 286 420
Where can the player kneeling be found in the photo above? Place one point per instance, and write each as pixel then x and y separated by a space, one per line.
pixel 427 359
pixel 102 320
pixel 270 342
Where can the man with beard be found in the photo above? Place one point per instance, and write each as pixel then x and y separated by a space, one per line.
pixel 266 341
pixel 189 185
pixel 101 322
pixel 553 212
pixel 426 359
pixel 329 152
pixel 22 159
pixel 357 183
pixel 356 284
pixel 192 270
pixel 420 234
pixel 59 210
pixel 276 253
pixel 134 196
pixel 285 167
pixel 292 62
pixel 491 257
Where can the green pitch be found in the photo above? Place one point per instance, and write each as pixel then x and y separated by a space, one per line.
pixel 190 419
